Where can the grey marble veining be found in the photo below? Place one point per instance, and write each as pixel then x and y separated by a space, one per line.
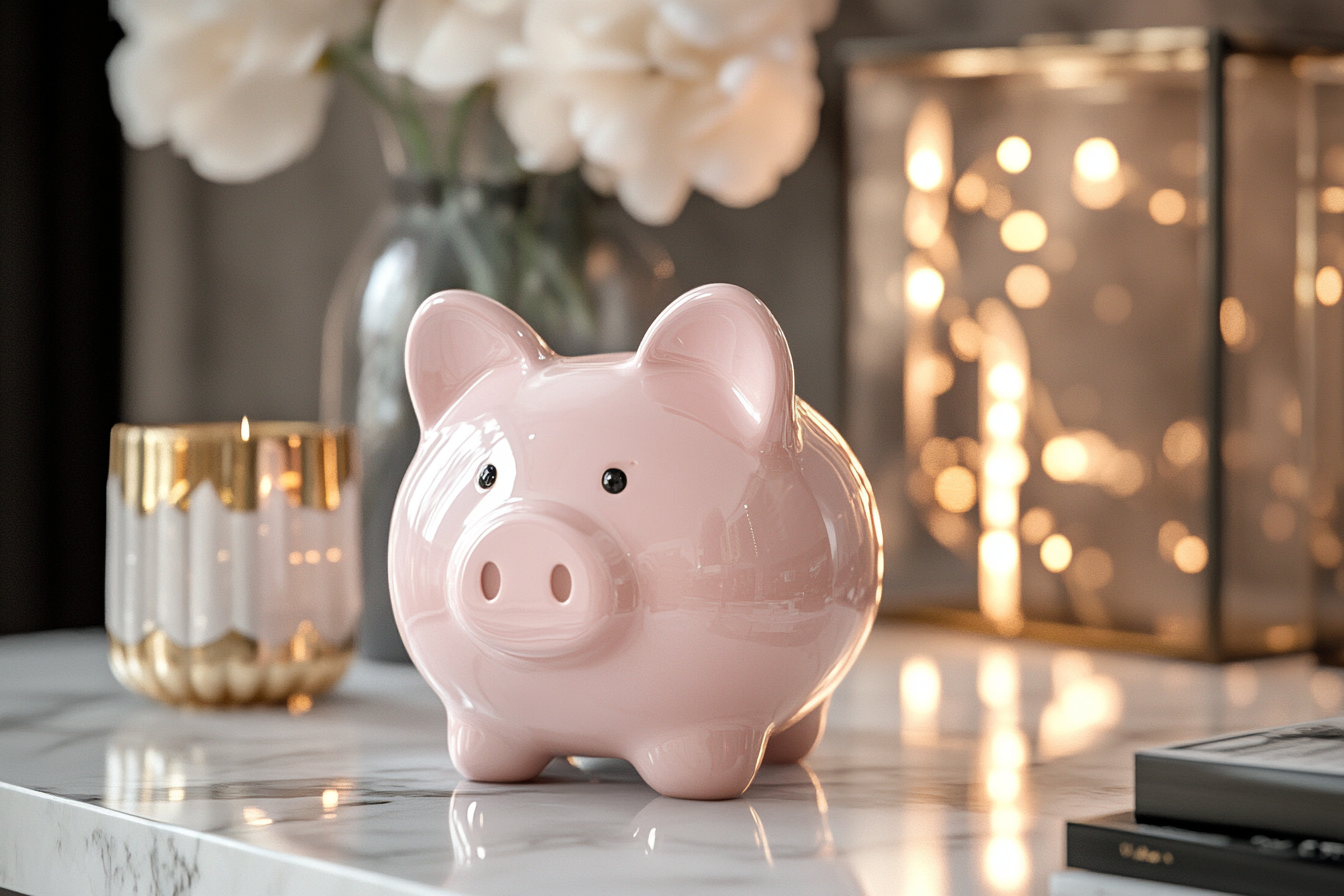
pixel 950 765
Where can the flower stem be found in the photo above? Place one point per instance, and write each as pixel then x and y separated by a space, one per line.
pixel 459 119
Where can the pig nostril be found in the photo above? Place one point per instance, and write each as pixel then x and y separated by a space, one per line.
pixel 490 581
pixel 560 583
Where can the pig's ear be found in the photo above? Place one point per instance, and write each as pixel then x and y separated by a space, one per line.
pixel 717 355
pixel 454 339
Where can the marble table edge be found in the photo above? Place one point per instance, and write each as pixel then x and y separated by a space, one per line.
pixel 73 847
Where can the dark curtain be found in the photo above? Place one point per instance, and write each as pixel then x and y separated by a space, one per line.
pixel 60 308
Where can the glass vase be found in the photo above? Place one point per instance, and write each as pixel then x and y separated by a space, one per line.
pixel 462 215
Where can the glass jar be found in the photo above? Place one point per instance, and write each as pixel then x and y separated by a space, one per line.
pixel 462 215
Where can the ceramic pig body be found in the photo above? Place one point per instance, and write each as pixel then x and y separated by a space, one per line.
pixel 662 556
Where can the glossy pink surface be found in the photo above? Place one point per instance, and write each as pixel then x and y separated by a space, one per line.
pixel 693 622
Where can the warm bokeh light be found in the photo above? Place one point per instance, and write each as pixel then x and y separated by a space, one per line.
pixel 971 192
pixel 998 551
pixel 937 455
pixel 1332 200
pixel 1232 322
pixel 1064 459
pixel 921 691
pixel 330 799
pixel 1027 285
pixel 924 169
pixel 1281 638
pixel 1056 553
pixel 1167 206
pixel 997 679
pixel 965 337
pixel 1023 231
pixel 998 201
pixel 1326 548
pixel 924 289
pixel 921 686
pixel 931 373
pixel 1327 689
pixel 1096 160
pixel 1124 474
pixel 1168 536
pixel 256 817
pixel 1006 865
pixel 1003 785
pixel 925 216
pixel 951 530
pixel 1005 382
pixel 1098 195
pixel 1084 705
pixel 1329 285
pixel 1037 523
pixel 1112 304
pixel 1190 554
pixel 1183 443
pixel 1093 568
pixel 1008 749
pixel 954 489
pixel 1013 155
pixel 1003 420
pixel 1006 466
pixel 1000 508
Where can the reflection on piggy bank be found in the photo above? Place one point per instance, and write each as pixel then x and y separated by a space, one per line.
pixel 663 556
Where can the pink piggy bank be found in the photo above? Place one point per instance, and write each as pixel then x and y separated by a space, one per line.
pixel 664 557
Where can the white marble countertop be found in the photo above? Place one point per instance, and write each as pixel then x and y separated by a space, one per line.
pixel 950 765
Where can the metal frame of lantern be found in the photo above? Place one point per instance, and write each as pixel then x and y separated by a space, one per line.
pixel 999 608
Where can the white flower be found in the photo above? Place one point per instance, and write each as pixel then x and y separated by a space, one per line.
pixel 657 97
pixel 234 85
pixel 444 45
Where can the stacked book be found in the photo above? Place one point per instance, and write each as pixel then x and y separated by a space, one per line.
pixel 1259 814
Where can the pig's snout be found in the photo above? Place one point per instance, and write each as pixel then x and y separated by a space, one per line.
pixel 539 582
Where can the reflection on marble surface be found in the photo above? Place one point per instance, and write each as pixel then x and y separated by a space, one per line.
pixel 949 767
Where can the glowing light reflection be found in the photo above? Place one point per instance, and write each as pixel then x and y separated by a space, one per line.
pixel 1013 155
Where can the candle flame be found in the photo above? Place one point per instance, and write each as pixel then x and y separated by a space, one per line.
pixel 247 430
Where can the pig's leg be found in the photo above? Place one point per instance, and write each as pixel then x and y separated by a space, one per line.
pixel 716 764
pixel 797 740
pixel 485 755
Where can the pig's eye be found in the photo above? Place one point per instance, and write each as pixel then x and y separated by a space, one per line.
pixel 487 477
pixel 613 480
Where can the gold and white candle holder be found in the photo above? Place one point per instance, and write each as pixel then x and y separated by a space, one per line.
pixel 232 560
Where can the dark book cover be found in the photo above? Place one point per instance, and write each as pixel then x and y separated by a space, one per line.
pixel 1288 779
pixel 1228 859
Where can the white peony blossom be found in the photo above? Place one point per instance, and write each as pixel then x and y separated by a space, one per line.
pixel 235 85
pixel 444 45
pixel 657 97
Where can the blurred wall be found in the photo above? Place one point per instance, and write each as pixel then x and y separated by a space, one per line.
pixel 60 309
pixel 227 285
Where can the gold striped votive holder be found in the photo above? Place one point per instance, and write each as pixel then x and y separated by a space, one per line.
pixel 232 561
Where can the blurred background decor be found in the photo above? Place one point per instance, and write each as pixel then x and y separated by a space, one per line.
pixel 503 125
pixel 232 561
pixel 1319 263
pixel 1074 361
pixel 134 289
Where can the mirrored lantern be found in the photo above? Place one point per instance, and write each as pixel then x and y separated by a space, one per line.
pixel 1320 287
pixel 1073 362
